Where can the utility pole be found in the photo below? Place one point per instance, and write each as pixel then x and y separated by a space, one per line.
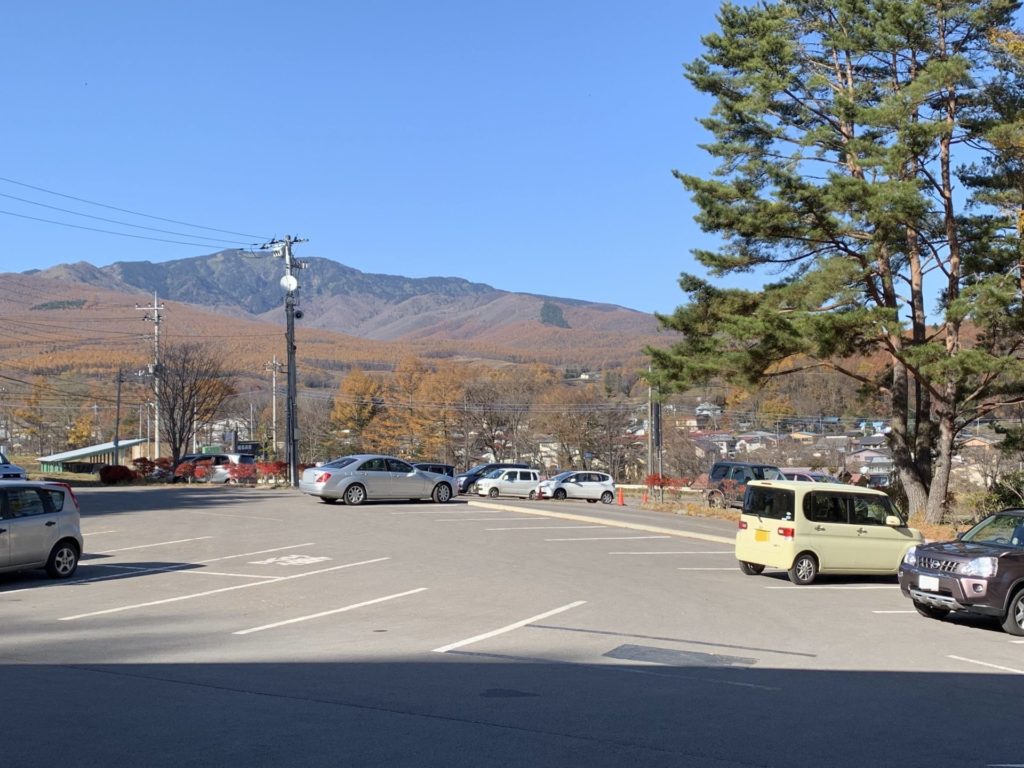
pixel 155 318
pixel 283 249
pixel 273 366
pixel 117 419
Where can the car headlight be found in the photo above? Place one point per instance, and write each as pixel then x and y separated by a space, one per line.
pixel 910 558
pixel 982 567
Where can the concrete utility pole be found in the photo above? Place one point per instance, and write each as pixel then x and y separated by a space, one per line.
pixel 155 318
pixel 273 366
pixel 283 249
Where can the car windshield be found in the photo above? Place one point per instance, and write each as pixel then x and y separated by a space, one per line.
pixel 476 470
pixel 494 473
pixel 767 473
pixel 344 461
pixel 998 530
pixel 562 476
pixel 3 459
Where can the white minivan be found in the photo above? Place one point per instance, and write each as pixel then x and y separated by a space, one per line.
pixel 509 482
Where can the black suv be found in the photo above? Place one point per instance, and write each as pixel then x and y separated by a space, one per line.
pixel 727 481
pixel 981 572
pixel 436 468
pixel 466 479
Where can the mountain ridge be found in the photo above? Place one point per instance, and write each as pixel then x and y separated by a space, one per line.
pixel 337 297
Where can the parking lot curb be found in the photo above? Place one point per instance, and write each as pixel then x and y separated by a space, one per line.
pixel 605 521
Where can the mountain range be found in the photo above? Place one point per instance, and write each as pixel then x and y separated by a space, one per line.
pixel 436 316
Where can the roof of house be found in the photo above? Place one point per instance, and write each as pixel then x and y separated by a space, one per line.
pixel 91 450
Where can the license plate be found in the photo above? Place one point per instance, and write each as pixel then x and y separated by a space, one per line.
pixel 929 583
pixel 760 535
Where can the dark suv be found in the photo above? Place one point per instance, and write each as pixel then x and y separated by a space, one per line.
pixel 981 572
pixel 727 481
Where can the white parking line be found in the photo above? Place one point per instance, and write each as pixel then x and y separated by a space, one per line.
pixel 179 598
pixel 544 527
pixel 199 572
pixel 481 519
pixel 676 552
pixel 730 568
pixel 610 538
pixel 138 569
pixel 96 533
pixel 146 546
pixel 894 611
pixel 812 587
pixel 328 613
pixel 438 512
pixel 986 664
pixel 508 628
pixel 244 517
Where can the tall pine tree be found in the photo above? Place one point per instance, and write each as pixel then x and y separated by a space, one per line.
pixel 839 127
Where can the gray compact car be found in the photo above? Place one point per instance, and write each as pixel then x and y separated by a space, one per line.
pixel 362 477
pixel 39 527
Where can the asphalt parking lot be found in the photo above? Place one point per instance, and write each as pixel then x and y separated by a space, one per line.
pixel 214 625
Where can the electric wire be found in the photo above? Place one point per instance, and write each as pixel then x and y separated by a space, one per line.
pixel 115 221
pixel 133 213
pixel 104 231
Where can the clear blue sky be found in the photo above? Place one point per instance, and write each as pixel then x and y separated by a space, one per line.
pixel 526 145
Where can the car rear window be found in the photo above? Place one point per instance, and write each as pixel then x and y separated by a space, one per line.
pixel 56 498
pixel 774 503
pixel 339 463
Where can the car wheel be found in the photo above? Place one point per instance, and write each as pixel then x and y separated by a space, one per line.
pixel 328 500
pixel 560 494
pixel 1013 622
pixel 716 500
pixel 804 570
pixel 355 495
pixel 493 493
pixel 442 493
pixel 751 569
pixel 931 613
pixel 532 496
pixel 606 497
pixel 63 560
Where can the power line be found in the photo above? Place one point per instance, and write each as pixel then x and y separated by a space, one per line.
pixel 104 231
pixel 114 221
pixel 133 213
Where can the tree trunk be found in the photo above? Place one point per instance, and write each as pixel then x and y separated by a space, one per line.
pixel 938 501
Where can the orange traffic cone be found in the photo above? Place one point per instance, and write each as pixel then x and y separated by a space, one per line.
pixel 622 501
pixel 643 498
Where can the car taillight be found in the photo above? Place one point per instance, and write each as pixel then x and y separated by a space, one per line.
pixel 323 477
pixel 787 533
pixel 71 493
pixel 743 525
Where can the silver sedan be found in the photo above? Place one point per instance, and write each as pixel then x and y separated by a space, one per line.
pixel 355 479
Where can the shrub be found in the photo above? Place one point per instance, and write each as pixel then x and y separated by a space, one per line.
pixel 242 473
pixel 115 473
pixel 143 466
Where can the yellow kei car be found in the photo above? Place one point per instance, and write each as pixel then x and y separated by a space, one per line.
pixel 811 528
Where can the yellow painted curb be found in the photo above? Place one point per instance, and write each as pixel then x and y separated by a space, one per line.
pixel 603 521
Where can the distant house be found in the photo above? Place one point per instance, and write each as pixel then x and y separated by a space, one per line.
pixel 91 457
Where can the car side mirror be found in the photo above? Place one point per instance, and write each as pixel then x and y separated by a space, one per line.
pixel 893 521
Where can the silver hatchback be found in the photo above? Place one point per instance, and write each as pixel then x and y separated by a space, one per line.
pixel 355 479
pixel 39 527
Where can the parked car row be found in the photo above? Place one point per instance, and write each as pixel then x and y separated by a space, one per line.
pixel 526 483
